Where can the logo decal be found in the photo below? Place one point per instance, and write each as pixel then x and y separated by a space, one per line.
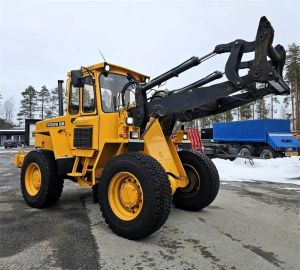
pixel 56 124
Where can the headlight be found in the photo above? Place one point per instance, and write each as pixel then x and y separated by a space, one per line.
pixel 107 67
pixel 147 80
pixel 185 137
pixel 134 135
pixel 129 121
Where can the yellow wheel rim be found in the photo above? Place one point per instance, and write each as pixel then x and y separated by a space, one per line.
pixel 33 179
pixel 125 196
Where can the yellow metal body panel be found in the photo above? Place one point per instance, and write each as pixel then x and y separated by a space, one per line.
pixel 19 158
pixel 157 146
pixel 110 137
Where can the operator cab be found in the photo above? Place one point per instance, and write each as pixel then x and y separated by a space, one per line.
pixel 108 80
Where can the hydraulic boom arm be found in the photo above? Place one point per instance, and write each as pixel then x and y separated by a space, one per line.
pixel 195 101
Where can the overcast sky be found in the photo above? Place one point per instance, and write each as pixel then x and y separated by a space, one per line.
pixel 41 40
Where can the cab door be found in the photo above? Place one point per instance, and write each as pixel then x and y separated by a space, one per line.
pixel 86 124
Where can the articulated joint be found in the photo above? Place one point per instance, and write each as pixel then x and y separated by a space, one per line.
pixel 178 182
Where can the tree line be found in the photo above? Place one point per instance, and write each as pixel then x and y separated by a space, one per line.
pixel 34 104
pixel 41 104
pixel 260 109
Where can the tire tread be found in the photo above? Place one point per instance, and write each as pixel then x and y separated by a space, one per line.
pixel 162 193
pixel 53 184
pixel 214 186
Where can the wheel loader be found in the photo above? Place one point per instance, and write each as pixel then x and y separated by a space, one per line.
pixel 125 138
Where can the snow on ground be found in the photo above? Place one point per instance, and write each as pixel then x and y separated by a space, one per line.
pixel 281 170
pixel 10 150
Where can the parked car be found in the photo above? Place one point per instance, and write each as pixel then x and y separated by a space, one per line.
pixel 12 144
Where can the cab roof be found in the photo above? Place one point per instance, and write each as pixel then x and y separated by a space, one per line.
pixel 113 69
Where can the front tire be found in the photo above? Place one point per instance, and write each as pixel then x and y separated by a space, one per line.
pixel 41 186
pixel 203 184
pixel 135 195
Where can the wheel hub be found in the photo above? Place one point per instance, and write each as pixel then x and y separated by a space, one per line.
pixel 125 196
pixel 130 193
pixel 33 179
pixel 194 180
pixel 36 179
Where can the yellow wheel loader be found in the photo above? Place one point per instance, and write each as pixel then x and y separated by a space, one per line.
pixel 126 139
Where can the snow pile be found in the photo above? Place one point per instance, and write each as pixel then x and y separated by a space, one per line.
pixel 281 170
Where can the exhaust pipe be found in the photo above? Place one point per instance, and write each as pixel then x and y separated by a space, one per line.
pixel 60 98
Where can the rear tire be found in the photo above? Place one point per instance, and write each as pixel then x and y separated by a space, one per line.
pixel 267 153
pixel 135 195
pixel 41 186
pixel 204 182
pixel 246 151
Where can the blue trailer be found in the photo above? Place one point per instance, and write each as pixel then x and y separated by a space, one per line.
pixel 265 138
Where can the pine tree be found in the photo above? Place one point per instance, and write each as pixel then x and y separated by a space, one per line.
pixel 228 117
pixel 253 109
pixel 43 100
pixel 272 106
pixel 8 109
pixel 205 122
pixel 292 76
pixel 246 112
pixel 28 103
pixel 53 108
pixel 261 109
pixel 53 103
pixel 216 118
pixel 237 113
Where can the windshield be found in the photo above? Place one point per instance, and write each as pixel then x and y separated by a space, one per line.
pixel 111 85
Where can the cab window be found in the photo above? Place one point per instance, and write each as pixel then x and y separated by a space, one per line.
pixel 111 85
pixel 88 95
pixel 74 100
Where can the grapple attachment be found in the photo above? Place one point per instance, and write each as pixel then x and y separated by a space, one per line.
pixel 260 68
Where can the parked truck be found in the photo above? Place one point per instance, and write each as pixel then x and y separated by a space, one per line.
pixel 264 138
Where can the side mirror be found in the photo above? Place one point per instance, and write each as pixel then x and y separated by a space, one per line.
pixel 77 78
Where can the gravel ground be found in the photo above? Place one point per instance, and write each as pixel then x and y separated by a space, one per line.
pixel 249 226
